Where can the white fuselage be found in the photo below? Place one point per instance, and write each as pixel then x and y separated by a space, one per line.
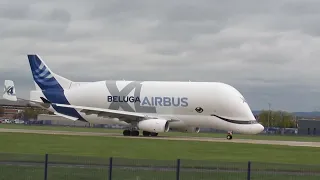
pixel 176 100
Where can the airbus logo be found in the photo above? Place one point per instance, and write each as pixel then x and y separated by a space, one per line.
pixel 9 90
pixel 116 105
pixel 121 99
pixel 151 101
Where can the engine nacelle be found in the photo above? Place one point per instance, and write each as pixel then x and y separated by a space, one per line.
pixel 187 129
pixel 154 125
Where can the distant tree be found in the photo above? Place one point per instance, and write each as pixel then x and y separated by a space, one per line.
pixel 30 113
pixel 18 115
pixel 1 111
pixel 277 119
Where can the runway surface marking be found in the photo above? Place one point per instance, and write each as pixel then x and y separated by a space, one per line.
pixel 178 138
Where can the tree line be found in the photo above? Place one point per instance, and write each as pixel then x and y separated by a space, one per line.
pixel 1 111
pixel 280 119
pixel 27 113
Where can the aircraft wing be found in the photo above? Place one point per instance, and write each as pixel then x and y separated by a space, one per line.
pixel 109 113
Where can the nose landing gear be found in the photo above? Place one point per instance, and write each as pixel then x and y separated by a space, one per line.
pixel 229 135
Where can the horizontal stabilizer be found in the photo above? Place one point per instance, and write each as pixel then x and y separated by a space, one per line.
pixel 44 100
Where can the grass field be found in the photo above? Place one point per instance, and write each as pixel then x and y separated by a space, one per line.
pixel 91 154
pixel 74 173
pixel 155 149
pixel 213 135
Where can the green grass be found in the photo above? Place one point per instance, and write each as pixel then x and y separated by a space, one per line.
pixel 59 128
pixel 74 173
pixel 155 149
pixel 89 150
pixel 213 135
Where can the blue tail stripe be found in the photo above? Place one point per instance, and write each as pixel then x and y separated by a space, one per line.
pixel 39 77
pixel 49 81
pixel 50 87
pixel 44 75
pixel 39 67
pixel 40 70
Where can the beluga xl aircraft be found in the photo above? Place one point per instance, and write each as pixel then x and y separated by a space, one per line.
pixel 149 106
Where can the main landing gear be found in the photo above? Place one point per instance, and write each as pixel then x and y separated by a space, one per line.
pixel 146 133
pixel 128 132
pixel 229 135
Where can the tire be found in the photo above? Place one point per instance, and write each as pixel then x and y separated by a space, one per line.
pixel 134 133
pixel 126 132
pixel 229 137
pixel 154 134
pixel 146 133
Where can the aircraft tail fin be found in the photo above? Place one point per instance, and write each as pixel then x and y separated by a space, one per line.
pixel 9 91
pixel 44 78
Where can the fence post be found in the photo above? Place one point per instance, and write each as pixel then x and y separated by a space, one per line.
pixel 110 168
pixel 249 171
pixel 178 169
pixel 46 167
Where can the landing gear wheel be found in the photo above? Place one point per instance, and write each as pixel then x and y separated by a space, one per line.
pixel 126 132
pixel 146 133
pixel 134 133
pixel 229 136
pixel 154 134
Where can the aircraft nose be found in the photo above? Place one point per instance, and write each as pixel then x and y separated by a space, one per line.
pixel 260 128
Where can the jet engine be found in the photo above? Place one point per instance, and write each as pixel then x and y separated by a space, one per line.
pixel 154 125
pixel 187 129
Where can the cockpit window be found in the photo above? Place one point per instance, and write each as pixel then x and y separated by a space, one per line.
pixel 243 99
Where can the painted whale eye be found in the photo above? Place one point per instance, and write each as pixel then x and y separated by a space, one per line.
pixel 199 109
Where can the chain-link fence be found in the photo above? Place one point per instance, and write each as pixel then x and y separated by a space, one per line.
pixel 62 167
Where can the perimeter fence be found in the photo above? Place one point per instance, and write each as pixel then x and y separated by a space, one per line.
pixel 63 167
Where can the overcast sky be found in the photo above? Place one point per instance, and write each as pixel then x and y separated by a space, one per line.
pixel 268 50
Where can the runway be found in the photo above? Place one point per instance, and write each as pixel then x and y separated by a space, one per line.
pixel 177 138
